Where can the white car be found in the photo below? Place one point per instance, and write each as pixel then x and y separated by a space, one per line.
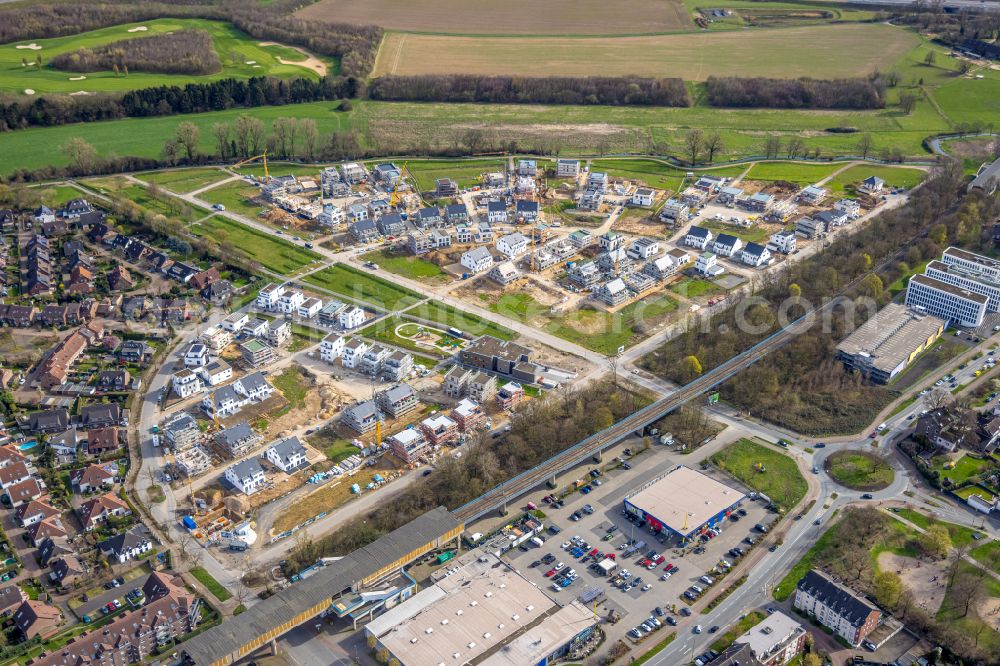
pixel 665 576
pixel 697 628
pixel 647 587
pixel 559 566
pixel 565 545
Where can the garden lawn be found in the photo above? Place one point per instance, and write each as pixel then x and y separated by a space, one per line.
pixel 408 266
pixel 449 317
pixel 754 234
pixel 360 286
pixel 893 177
pixel 214 586
pixel 272 253
pixel 965 468
pixel 183 181
pixel 58 195
pixel 781 481
pixel 859 470
pixel 293 386
pixel 988 552
pixel 695 287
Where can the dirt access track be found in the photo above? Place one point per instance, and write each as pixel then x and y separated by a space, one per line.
pixel 923 578
pixel 516 17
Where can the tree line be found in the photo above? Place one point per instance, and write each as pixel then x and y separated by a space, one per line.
pixel 539 430
pixel 604 90
pixel 182 52
pixel 354 45
pixel 218 95
pixel 804 93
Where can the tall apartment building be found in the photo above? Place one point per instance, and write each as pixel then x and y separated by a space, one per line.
pixel 972 272
pixel 836 607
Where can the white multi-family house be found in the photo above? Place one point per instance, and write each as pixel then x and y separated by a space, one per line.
pixel 267 298
pixel 644 248
pixel 675 211
pixel 726 245
pixel 698 237
pixel 217 338
pixel 352 352
pixel 247 476
pixel 287 454
pixel 708 264
pixel 236 321
pixel 871 185
pixel 310 307
pixel 849 207
pixel 257 328
pixel 784 241
pixel 186 384
pixel 332 347
pixel 813 194
pixel 496 211
pixel 643 196
pixel 477 260
pixel 196 355
pixel 331 216
pixel 290 301
pixel 351 318
pixel 567 168
pixel 512 245
pixel 756 255
pixel 216 372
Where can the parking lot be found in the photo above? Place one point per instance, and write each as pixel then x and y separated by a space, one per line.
pixel 603 528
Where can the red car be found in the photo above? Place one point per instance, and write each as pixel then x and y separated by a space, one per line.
pixel 593 552
pixel 659 559
pixel 610 556
pixel 550 573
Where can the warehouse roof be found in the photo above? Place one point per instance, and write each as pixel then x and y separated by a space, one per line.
pixel 685 497
pixel 229 637
pixel 892 336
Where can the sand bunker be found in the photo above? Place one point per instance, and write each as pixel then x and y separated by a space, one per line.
pixel 77 78
pixel 80 92
pixel 141 28
pixel 29 91
pixel 32 46
pixel 311 61
pixel 924 579
pixel 251 62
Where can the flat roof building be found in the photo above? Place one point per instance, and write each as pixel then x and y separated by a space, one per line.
pixel 480 612
pixel 953 304
pixel 683 501
pixel 888 342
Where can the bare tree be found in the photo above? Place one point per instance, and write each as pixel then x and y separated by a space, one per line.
pixel 865 145
pixel 714 145
pixel 222 133
pixel 187 137
pixel 938 398
pixel 694 142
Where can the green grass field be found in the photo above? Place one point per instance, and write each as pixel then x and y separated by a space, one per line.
pixel 952 612
pixel 358 285
pixel 449 317
pixel 408 266
pixel 695 287
pixel 464 172
pixel 893 176
pixel 960 534
pixel 988 553
pixel 857 470
pixel 781 480
pixel 755 234
pixel 235 196
pixel 800 174
pixel 164 204
pixel 272 253
pixel 183 181
pixel 234 48
pixel 384 330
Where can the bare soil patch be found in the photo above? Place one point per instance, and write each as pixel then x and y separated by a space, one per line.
pixel 926 580
pixel 518 17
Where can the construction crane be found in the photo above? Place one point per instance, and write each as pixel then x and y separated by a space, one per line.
pixel 394 198
pixel 262 156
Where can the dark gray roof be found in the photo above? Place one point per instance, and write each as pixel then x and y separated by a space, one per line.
pixel 726 239
pixel 226 639
pixel 362 410
pixel 430 212
pixel 456 209
pixel 755 249
pixel 526 206
pixel 247 468
pixel 698 232
pixel 286 447
pixel 236 434
pixel 120 543
pixel 254 381
pixel 846 604
pixel 496 206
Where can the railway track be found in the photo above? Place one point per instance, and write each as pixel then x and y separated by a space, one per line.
pixel 512 488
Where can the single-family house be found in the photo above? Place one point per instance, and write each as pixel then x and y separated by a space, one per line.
pixel 247 476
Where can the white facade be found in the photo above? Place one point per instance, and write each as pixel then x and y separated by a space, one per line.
pixel 332 347
pixel 287 454
pixel 727 246
pixel 310 308
pixel 236 321
pixel 267 298
pixel 246 476
pixel 290 301
pixel 784 241
pixel 512 245
pixel 643 196
pixel 351 318
pixel 217 338
pixel 755 255
pixel 278 332
pixel 186 384
pixel 216 372
pixel 352 353
pixel 567 168
pixel 708 264
pixel 954 305
pixel 196 355
pixel 477 260
pixel 698 237
pixel 849 207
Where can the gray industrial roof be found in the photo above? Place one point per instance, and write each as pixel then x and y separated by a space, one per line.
pixel 227 638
